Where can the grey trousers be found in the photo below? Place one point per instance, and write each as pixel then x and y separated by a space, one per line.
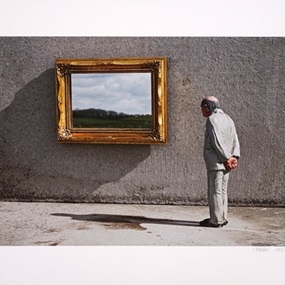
pixel 218 195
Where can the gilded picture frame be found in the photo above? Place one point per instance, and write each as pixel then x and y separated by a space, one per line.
pixel 89 88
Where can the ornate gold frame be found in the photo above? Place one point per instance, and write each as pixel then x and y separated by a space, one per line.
pixel 157 134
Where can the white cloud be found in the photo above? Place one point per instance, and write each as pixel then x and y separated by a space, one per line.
pixel 129 93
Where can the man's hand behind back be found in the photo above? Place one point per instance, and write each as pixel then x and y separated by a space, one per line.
pixel 231 163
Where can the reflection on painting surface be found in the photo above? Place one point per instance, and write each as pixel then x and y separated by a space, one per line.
pixel 111 100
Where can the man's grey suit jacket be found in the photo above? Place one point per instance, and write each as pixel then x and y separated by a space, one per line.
pixel 221 140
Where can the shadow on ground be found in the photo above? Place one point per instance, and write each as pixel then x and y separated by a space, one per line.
pixel 122 221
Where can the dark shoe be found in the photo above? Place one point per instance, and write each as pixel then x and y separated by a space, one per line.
pixel 215 225
pixel 204 223
pixel 225 223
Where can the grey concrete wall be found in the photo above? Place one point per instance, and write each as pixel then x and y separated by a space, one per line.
pixel 246 74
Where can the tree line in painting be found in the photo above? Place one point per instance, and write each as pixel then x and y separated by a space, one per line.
pixel 99 118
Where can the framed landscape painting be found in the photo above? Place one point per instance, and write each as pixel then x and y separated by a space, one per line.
pixel 112 100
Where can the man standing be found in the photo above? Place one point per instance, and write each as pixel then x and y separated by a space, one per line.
pixel 221 153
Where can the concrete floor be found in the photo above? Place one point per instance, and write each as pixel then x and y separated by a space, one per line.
pixel 40 245
pixel 59 224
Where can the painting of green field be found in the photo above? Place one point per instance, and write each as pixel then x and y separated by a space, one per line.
pixel 134 121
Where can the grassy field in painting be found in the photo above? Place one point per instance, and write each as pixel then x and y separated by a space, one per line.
pixel 140 122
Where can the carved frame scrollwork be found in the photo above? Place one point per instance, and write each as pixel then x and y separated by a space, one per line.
pixel 66 133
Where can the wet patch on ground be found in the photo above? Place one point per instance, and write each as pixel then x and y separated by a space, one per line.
pixel 264 244
pixel 51 231
pixel 269 219
pixel 50 243
pixel 124 226
pixel 82 227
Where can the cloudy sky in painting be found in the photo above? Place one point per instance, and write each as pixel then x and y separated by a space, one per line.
pixel 129 93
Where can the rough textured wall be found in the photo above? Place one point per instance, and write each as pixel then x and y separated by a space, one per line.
pixel 246 74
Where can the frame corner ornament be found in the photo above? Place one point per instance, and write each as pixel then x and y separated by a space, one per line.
pixel 64 134
pixel 155 135
pixel 61 68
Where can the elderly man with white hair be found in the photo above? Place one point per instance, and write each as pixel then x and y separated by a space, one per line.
pixel 221 153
